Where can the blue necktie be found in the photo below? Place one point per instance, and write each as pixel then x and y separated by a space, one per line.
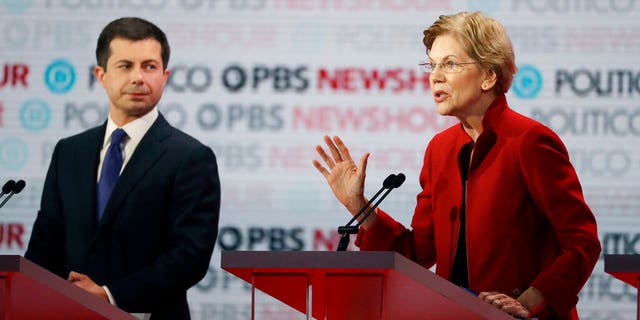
pixel 111 166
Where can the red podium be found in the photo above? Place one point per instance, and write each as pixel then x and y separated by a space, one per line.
pixel 28 291
pixel 355 285
pixel 626 268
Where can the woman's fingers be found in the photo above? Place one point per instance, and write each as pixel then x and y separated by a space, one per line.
pixel 339 152
pixel 321 168
pixel 330 163
pixel 363 164
pixel 337 157
pixel 505 303
pixel 342 149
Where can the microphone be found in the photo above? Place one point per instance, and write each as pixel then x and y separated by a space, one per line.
pixel 16 188
pixel 8 186
pixel 391 182
pixel 397 182
pixel 386 184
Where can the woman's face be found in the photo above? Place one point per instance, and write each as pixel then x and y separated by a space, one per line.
pixel 455 93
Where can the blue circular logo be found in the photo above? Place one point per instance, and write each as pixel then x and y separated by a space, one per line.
pixel 483 5
pixel 35 115
pixel 528 82
pixel 60 76
pixel 13 153
pixel 16 6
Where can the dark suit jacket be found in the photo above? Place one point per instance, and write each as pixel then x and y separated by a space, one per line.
pixel 527 223
pixel 158 230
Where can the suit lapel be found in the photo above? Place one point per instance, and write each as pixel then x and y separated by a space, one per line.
pixel 144 157
pixel 86 159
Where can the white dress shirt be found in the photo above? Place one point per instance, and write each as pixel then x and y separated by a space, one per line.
pixel 135 130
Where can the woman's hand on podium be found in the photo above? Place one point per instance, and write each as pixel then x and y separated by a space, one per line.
pixel 506 303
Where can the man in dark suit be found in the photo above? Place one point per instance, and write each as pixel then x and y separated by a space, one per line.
pixel 130 209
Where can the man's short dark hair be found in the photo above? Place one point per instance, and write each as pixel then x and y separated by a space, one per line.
pixel 130 28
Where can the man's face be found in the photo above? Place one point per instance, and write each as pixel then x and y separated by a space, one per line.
pixel 134 78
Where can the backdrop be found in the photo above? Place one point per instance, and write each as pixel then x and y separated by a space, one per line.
pixel 262 81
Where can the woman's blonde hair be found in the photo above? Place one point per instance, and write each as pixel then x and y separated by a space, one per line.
pixel 485 40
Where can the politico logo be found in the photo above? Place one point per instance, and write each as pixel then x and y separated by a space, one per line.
pixel 575 6
pixel 60 76
pixel 612 201
pixel 590 121
pixel 616 83
pixel 147 5
pixel 528 82
pixel 35 115
pixel 574 39
pixel 627 243
pixel 603 287
pixel 602 163
pixel 16 6
pixel 13 153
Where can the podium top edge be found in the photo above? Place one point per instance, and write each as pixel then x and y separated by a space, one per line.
pixel 311 259
pixel 11 262
pixel 622 263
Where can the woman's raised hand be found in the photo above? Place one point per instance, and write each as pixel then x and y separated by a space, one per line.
pixel 344 177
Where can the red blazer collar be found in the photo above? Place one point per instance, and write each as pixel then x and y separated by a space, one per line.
pixel 487 139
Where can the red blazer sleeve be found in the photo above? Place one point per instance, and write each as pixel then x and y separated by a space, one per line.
pixel 418 244
pixel 555 188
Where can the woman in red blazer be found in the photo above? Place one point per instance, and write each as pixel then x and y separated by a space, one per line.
pixel 501 210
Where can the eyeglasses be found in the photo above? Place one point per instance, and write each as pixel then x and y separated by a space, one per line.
pixel 446 66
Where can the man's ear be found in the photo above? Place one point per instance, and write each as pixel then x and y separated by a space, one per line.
pixel 98 71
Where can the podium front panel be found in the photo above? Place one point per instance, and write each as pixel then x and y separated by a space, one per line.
pixel 355 296
pixel 358 285
pixel 31 292
pixel 625 267
pixel 280 296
